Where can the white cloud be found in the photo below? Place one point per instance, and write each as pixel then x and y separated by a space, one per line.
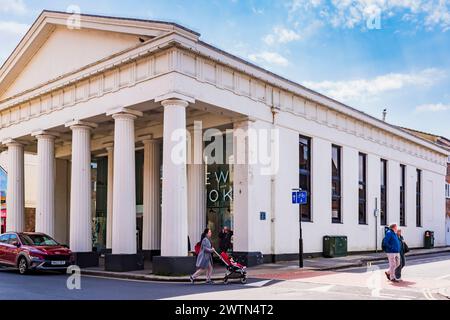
pixel 362 88
pixel 349 14
pixel 433 107
pixel 13 6
pixel 271 58
pixel 13 28
pixel 281 35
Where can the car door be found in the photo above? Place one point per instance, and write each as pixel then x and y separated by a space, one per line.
pixel 12 249
pixel 3 242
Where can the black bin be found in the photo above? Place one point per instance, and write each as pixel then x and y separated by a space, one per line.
pixel 429 239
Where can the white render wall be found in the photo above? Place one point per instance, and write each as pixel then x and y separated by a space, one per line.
pixel 360 237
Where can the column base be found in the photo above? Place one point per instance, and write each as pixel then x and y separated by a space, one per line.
pixel 86 259
pixel 174 266
pixel 149 254
pixel 249 259
pixel 124 262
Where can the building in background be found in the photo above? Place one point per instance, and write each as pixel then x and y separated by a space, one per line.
pixel 445 143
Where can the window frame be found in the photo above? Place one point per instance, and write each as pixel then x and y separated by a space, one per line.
pixel 306 216
pixel 418 198
pixel 363 184
pixel 383 192
pixel 402 220
pixel 337 179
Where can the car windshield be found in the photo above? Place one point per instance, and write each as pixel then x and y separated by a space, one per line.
pixel 37 240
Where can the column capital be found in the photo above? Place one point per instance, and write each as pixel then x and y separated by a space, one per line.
pixel 123 112
pixel 11 142
pixel 109 146
pixel 45 134
pixel 174 102
pixel 148 139
pixel 81 124
pixel 175 96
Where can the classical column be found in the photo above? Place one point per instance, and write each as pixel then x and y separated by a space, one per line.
pixel 196 189
pixel 45 208
pixel 124 199
pixel 151 236
pixel 15 201
pixel 123 257
pixel 174 227
pixel 109 208
pixel 81 194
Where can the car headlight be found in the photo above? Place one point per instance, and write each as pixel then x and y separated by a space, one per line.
pixel 37 255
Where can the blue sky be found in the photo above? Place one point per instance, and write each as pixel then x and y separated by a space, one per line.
pixel 370 54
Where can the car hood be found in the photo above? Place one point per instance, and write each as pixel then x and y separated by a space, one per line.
pixel 51 250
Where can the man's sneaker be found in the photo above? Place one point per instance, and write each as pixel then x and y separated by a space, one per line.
pixel 209 282
pixel 192 279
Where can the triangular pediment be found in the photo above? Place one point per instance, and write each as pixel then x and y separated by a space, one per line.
pixel 60 43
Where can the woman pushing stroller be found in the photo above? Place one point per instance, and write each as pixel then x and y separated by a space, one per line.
pixel 204 259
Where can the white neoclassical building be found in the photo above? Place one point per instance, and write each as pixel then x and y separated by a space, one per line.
pixel 107 104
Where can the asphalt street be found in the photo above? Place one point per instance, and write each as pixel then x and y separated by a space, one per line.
pixel 423 278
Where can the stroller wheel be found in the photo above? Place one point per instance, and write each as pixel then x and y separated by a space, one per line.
pixel 225 280
pixel 244 280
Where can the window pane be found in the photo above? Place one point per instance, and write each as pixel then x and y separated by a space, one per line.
pixel 336 184
pixel 383 193
pixel 305 174
pixel 335 161
pixel 336 210
pixel 362 212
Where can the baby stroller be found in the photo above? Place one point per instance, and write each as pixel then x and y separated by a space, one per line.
pixel 234 270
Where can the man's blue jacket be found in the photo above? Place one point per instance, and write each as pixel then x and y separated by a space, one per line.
pixel 391 242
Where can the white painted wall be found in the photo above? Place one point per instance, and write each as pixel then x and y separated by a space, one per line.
pixel 360 237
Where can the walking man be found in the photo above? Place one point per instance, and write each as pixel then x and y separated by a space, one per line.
pixel 391 245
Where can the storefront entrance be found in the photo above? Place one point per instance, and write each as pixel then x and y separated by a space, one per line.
pixel 219 185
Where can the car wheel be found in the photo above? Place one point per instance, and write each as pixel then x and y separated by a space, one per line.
pixel 23 265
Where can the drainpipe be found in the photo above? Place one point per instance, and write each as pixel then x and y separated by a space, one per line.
pixel 273 195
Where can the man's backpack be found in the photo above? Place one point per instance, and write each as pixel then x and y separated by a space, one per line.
pixel 197 248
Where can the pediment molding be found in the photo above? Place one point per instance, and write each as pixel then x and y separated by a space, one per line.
pixel 48 21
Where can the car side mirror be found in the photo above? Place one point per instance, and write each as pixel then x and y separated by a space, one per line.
pixel 65 246
pixel 16 244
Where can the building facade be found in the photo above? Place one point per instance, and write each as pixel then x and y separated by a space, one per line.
pixel 444 143
pixel 143 129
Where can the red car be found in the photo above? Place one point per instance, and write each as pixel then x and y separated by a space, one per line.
pixel 33 251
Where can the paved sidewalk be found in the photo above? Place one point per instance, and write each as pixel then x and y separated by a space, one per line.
pixel 313 264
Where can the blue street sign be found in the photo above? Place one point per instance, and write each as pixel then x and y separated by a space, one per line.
pixel 299 197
